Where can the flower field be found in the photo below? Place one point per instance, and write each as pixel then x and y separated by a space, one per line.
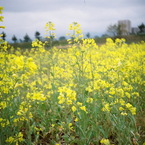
pixel 83 95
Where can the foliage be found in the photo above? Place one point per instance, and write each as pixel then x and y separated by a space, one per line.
pixel 62 38
pixel 14 38
pixel 37 35
pixel 141 28
pixel 3 36
pixel 27 38
pixel 83 95
pixel 88 35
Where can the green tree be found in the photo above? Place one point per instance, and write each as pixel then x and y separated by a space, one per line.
pixel 37 35
pixel 27 38
pixel 141 28
pixel 61 38
pixel 88 35
pixel 14 38
pixel 3 36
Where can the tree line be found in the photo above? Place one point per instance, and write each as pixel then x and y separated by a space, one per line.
pixel 112 30
pixel 27 38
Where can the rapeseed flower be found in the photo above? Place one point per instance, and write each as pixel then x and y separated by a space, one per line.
pixel 3 104
pixel 74 108
pixel 106 107
pixel 70 125
pixel 105 141
pixel 10 139
pixel 83 108
pixel 89 100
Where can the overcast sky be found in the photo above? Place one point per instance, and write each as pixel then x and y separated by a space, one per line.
pixel 29 16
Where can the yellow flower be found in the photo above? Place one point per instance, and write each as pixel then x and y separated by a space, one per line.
pixel 133 110
pixel 79 103
pixel 1 8
pixel 123 113
pixel 20 137
pixel 1 18
pixel 3 27
pixel 3 104
pixel 105 141
pixel 70 126
pixel 127 94
pixel 128 105
pixel 83 108
pixel 50 26
pixel 52 125
pixel 89 89
pixel 112 91
pixel 10 139
pixel 76 119
pixel 73 108
pixel 106 107
pixel 61 99
pixel 68 101
pixel 89 100
pixel 122 102
pixel 136 94
pixel 121 108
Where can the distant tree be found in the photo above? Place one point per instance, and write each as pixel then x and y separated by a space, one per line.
pixel 3 36
pixel 37 35
pixel 14 38
pixel 88 35
pixel 27 38
pixel 113 30
pixel 20 40
pixel 141 28
pixel 62 38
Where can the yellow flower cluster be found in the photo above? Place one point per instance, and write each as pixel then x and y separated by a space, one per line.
pixel 1 18
pixel 67 95
pixel 49 28
pixel 4 122
pixel 76 33
pixel 16 139
pixel 105 141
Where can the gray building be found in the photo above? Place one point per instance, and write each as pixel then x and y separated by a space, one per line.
pixel 125 27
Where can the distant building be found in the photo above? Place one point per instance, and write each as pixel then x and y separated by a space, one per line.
pixel 125 27
pixel 135 30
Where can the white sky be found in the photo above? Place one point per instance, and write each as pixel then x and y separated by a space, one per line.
pixel 29 16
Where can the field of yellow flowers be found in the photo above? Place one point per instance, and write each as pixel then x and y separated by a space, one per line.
pixel 83 95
